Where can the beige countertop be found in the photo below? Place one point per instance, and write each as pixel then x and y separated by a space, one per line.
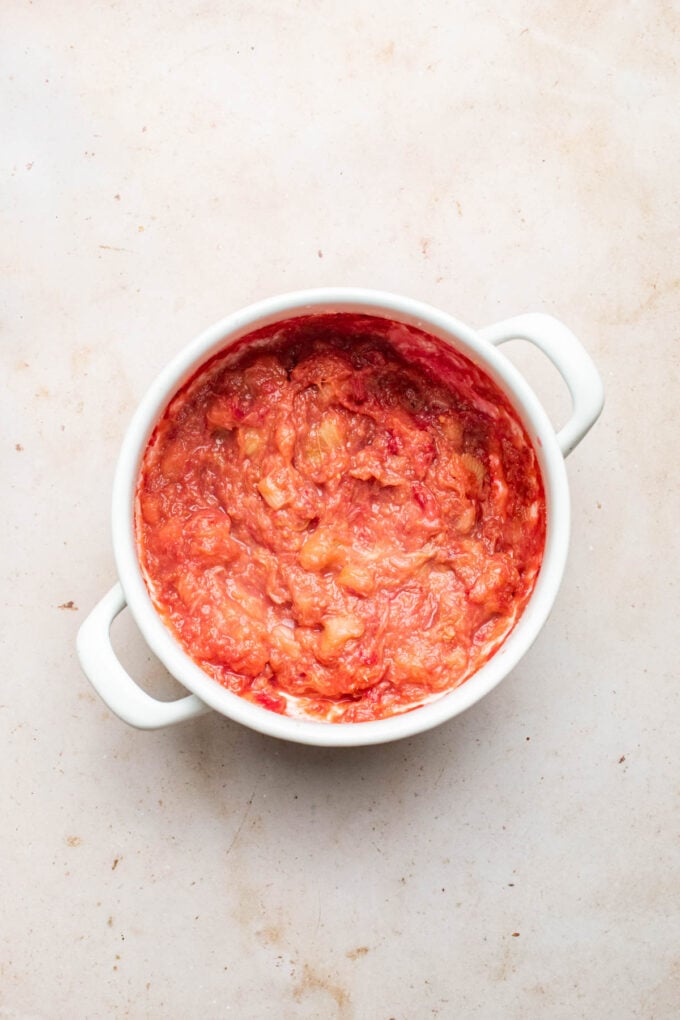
pixel 165 164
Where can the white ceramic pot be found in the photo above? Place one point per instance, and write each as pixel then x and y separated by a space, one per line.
pixel 135 706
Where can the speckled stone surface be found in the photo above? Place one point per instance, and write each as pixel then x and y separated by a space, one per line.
pixel 165 164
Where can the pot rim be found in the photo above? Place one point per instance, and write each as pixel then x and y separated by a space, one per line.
pixel 220 336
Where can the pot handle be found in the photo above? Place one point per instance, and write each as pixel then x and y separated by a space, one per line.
pixel 113 684
pixel 569 358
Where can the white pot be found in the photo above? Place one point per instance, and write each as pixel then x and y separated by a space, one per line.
pixel 135 706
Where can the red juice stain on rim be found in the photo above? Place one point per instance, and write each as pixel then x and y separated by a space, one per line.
pixel 340 517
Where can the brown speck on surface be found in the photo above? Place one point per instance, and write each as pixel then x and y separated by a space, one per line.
pixel 143 130
pixel 110 922
pixel 424 247
pixel 140 230
pixel 622 759
pixel 73 840
pixel 116 862
pixel 528 738
pixel 320 253
pixel 354 954
pixel 69 605
pixel 598 505
pixel 515 934
pixel 117 197
pixel 18 447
